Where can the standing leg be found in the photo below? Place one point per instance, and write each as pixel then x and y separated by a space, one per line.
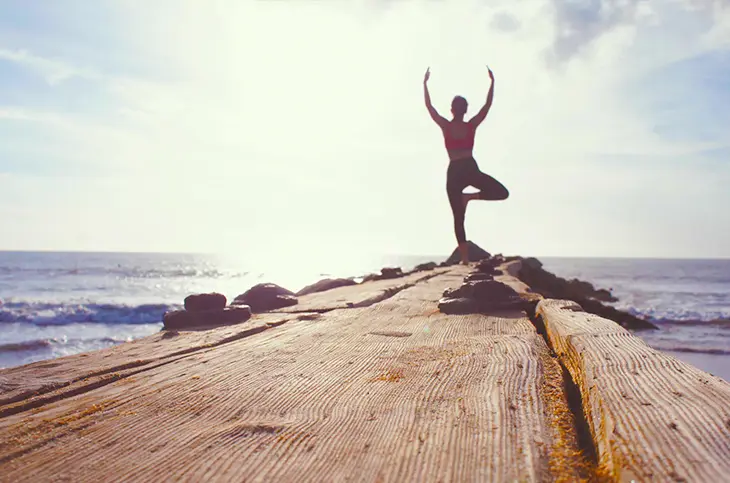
pixel 458 209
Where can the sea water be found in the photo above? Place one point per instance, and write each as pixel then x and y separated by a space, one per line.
pixel 54 304
pixel 689 300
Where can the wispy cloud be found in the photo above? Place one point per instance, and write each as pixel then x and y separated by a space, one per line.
pixel 579 24
pixel 54 71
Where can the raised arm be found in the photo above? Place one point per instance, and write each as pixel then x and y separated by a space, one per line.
pixel 438 118
pixel 477 120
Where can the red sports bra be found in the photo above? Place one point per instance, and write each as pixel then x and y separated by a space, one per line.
pixel 467 142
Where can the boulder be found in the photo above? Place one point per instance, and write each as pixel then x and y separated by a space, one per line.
pixel 475 253
pixel 583 293
pixel 371 277
pixel 422 267
pixel 553 286
pixel 266 296
pixel 326 284
pixel 481 296
pixel 385 273
pixel 464 305
pixel 532 262
pixel 465 290
pixel 624 319
pixel 390 272
pixel 488 265
pixel 492 290
pixel 458 306
pixel 481 289
pixel 205 301
pixel 497 259
pixel 184 319
pixel 472 277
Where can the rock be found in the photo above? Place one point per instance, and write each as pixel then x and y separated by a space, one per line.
pixel 475 253
pixel 482 296
pixel 481 290
pixel 489 271
pixel 385 273
pixel 579 288
pixel 581 292
pixel 488 265
pixel 553 286
pixel 326 284
pixel 266 296
pixel 478 276
pixel 205 301
pixel 531 262
pixel 425 266
pixel 183 319
pixel 390 272
pixel 510 303
pixel 604 295
pixel 464 305
pixel 497 260
pixel 459 305
pixel 370 277
pixel 624 319
pixel 491 290
pixel 465 290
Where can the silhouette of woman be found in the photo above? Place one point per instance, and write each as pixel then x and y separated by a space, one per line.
pixel 463 170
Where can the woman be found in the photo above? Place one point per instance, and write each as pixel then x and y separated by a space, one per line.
pixel 463 170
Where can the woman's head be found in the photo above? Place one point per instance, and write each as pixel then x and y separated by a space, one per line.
pixel 458 106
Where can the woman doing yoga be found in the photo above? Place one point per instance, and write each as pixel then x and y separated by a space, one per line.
pixel 463 170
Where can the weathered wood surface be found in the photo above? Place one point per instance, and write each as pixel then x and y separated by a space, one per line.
pixel 32 384
pixel 653 417
pixel 361 295
pixel 395 391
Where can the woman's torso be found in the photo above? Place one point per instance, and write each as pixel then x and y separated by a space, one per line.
pixel 459 139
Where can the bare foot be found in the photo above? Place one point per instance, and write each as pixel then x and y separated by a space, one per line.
pixel 464 252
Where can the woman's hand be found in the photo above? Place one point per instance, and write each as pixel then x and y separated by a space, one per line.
pixel 427 75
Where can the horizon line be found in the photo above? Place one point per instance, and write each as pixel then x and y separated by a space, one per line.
pixel 206 253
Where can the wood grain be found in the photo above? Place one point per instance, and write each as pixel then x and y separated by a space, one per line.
pixel 395 391
pixel 653 417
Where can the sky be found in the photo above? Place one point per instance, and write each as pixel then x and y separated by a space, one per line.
pixel 265 127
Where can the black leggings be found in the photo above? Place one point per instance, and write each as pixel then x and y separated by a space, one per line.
pixel 463 173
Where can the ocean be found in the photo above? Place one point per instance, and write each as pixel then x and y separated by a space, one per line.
pixel 54 304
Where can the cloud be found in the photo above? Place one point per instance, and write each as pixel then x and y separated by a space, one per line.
pixel 505 22
pixel 54 71
pixel 687 26
pixel 578 24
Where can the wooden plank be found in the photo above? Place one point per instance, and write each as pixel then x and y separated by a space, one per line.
pixel 361 295
pixel 392 392
pixel 20 384
pixel 26 385
pixel 652 417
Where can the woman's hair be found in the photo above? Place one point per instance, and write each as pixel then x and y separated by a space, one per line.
pixel 459 106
